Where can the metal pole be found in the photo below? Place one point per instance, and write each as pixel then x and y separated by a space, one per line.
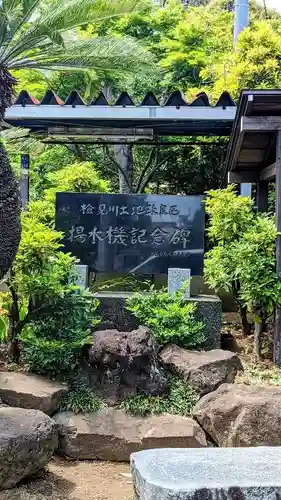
pixel 241 21
pixel 241 17
pixel 24 181
pixel 277 336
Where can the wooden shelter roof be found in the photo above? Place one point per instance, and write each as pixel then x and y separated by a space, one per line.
pixel 252 148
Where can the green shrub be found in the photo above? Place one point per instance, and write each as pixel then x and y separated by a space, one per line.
pixel 81 399
pixel 4 319
pixel 170 319
pixel 179 400
pixel 243 257
pixel 52 343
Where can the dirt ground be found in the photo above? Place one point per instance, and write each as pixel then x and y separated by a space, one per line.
pixel 76 481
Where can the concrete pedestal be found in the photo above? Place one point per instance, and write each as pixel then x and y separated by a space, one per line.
pixel 207 474
pixel 115 315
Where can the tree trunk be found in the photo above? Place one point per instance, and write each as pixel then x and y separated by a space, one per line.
pixel 10 229
pixel 242 309
pixel 244 320
pixel 257 340
pixel 7 85
pixel 124 157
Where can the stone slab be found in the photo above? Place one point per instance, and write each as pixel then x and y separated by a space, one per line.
pixel 29 391
pixel 114 314
pixel 82 276
pixel 207 474
pixel 177 279
pixel 112 434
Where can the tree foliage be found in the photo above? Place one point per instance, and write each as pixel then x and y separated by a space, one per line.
pixel 243 256
pixel 193 49
pixel 39 34
pixel 78 177
pixel 42 278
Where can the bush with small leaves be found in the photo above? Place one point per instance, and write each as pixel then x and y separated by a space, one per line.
pixel 170 319
pixel 52 343
pixel 81 399
pixel 179 399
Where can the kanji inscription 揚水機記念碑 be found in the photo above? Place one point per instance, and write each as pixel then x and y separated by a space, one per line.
pixel 144 234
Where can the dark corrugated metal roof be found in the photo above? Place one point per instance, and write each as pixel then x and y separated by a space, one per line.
pixel 175 116
pixel 176 98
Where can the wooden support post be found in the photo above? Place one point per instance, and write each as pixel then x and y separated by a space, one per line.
pixel 262 196
pixel 277 336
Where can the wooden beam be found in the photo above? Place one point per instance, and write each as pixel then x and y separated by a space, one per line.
pixel 237 149
pixel 249 105
pixel 260 123
pixel 243 176
pixel 262 196
pixel 251 155
pixel 99 131
pixel 268 173
pixel 277 335
pixel 250 140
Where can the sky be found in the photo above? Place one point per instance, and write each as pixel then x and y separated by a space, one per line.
pixel 276 4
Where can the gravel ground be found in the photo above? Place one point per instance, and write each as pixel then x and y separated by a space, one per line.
pixel 76 481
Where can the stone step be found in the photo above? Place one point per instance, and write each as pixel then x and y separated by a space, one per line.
pixel 207 474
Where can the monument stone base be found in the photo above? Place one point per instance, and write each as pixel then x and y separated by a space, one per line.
pixel 115 315
pixel 207 474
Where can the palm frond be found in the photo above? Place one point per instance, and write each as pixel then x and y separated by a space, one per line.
pixel 28 8
pixel 37 34
pixel 104 54
pixel 3 27
pixel 10 5
pixel 65 15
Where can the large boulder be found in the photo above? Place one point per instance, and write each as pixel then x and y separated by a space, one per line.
pixel 171 431
pixel 24 390
pixel 112 434
pixel 204 370
pixel 240 415
pixel 28 439
pixel 125 363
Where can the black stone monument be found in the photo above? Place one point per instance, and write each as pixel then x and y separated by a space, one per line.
pixel 142 234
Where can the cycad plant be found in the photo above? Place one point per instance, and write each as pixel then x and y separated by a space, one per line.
pixel 42 34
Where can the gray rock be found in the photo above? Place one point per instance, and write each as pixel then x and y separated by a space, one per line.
pixel 28 439
pixel 209 310
pixel 24 390
pixel 112 434
pixel 125 363
pixel 204 370
pixel 241 415
pixel 171 431
pixel 207 474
